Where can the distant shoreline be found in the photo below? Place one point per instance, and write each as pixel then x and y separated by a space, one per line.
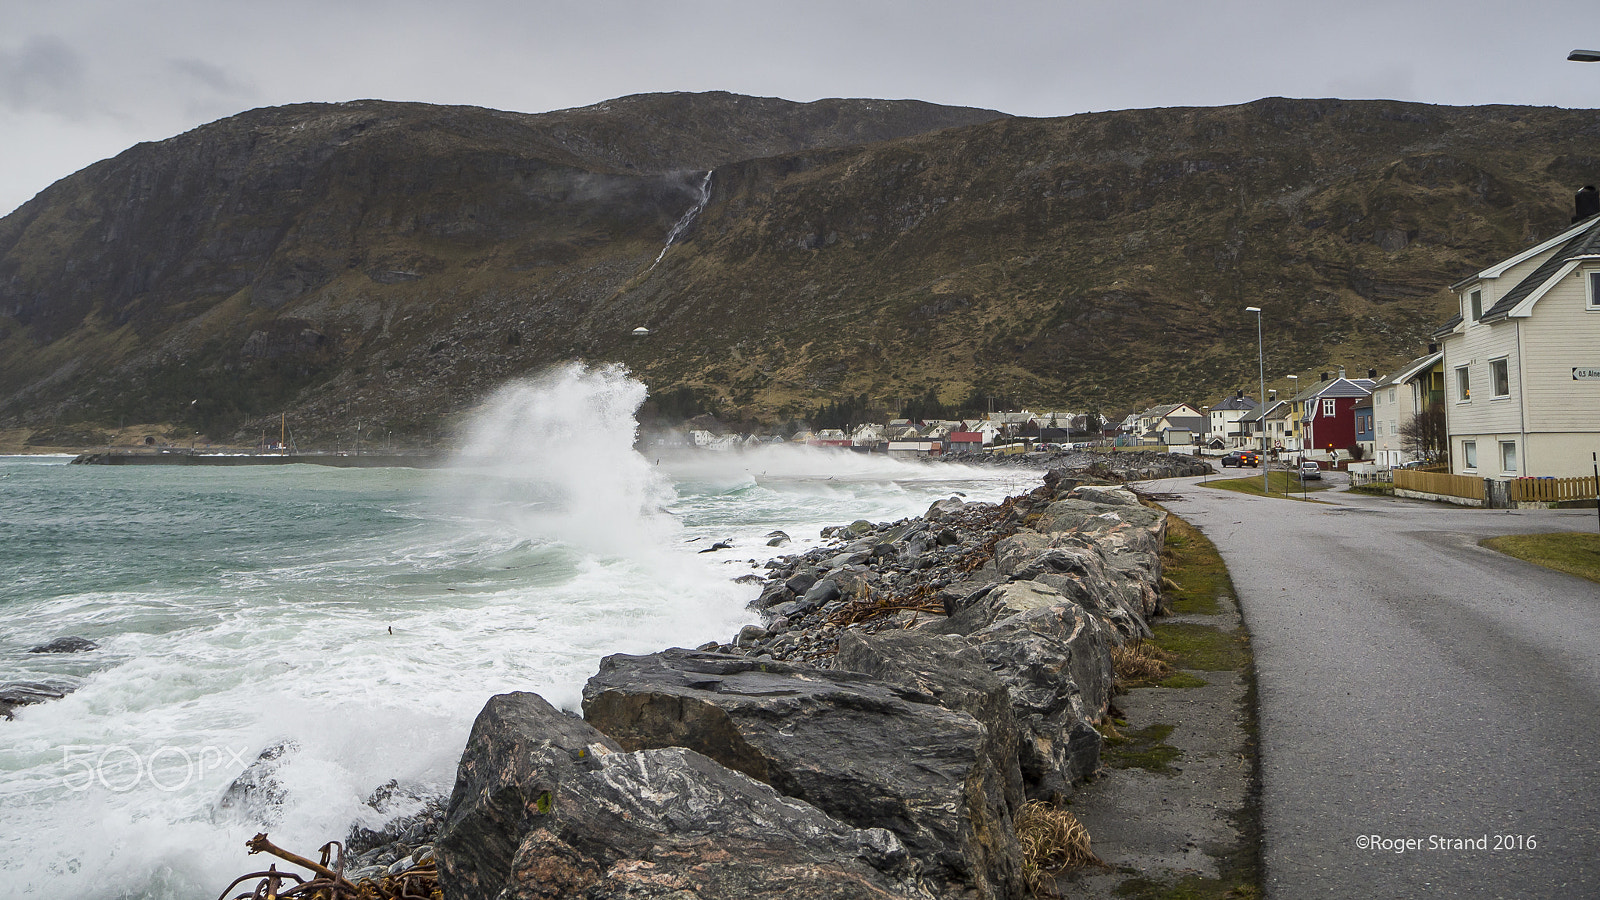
pixel 421 460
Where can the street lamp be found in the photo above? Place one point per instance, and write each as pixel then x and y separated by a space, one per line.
pixel 1584 56
pixel 1294 391
pixel 1261 366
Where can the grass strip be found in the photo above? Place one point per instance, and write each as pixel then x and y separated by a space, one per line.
pixel 1283 484
pixel 1571 552
pixel 1192 563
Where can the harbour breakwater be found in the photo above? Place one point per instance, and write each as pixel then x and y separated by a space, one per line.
pixel 419 460
pixel 912 687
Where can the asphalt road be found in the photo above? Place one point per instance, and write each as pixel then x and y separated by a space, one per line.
pixel 1415 688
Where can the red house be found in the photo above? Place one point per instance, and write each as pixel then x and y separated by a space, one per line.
pixel 1326 413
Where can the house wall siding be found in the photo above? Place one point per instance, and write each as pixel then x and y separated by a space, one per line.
pixel 1475 349
pixel 1561 334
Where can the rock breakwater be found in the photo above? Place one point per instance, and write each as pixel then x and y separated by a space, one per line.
pixel 912 686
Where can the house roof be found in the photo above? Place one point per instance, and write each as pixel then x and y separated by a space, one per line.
pixel 1582 239
pixel 1336 387
pixel 1278 410
pixel 1584 243
pixel 1162 411
pixel 1448 326
pixel 1411 370
pixel 1190 423
pixel 1234 403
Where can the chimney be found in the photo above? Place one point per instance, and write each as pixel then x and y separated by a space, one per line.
pixel 1586 203
pixel 1341 371
pixel 1323 376
pixel 1373 374
pixel 1239 395
pixel 1432 349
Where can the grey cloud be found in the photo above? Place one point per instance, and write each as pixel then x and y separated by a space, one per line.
pixel 212 77
pixel 44 74
pixel 208 90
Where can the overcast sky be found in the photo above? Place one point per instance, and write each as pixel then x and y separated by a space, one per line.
pixel 82 80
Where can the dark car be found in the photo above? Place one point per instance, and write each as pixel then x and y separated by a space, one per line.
pixel 1240 458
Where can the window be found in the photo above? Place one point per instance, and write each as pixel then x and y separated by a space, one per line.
pixel 1469 454
pixel 1327 407
pixel 1463 385
pixel 1594 290
pixel 1391 395
pixel 1475 300
pixel 1500 374
pixel 1508 456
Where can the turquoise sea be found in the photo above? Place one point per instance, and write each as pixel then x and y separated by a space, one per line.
pixel 364 615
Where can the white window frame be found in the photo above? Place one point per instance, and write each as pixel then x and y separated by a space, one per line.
pixel 1496 366
pixel 1463 384
pixel 1508 457
pixel 1328 407
pixel 1469 455
pixel 1475 305
pixel 1592 279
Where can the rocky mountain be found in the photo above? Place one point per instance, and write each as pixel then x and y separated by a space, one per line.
pixel 388 263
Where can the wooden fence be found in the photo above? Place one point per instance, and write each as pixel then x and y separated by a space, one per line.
pixel 1552 490
pixel 1468 486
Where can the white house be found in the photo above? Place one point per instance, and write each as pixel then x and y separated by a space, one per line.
pixel 1522 359
pixel 1398 399
pixel 1222 421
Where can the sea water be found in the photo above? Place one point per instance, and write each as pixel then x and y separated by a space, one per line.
pixel 362 615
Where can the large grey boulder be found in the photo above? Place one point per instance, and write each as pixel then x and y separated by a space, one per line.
pixel 867 752
pixel 1054 657
pixel 1056 664
pixel 547 807
pixel 1078 569
pixel 950 669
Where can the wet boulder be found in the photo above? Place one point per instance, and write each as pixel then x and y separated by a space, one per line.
pixel 870 753
pixel 951 670
pixel 547 807
pixel 66 645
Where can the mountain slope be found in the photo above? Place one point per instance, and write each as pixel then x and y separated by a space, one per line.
pixel 387 263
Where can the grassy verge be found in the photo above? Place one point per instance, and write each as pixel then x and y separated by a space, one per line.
pixel 1143 749
pixel 1569 552
pixel 1281 483
pixel 1376 490
pixel 1190 561
pixel 1197 586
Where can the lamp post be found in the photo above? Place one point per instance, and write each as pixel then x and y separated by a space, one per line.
pixel 1261 367
pixel 1294 391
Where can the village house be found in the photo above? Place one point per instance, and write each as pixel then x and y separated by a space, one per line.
pixel 1522 359
pixel 1157 424
pixel 1324 414
pixel 1279 416
pixel 1399 399
pixel 1222 420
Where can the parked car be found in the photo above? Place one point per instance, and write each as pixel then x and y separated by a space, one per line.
pixel 1240 458
pixel 1309 470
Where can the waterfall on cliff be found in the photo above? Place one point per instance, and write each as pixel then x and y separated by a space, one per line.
pixel 688 217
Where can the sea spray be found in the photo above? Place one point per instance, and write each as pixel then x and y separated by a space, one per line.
pixel 556 461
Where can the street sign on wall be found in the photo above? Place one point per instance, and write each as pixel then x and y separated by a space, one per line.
pixel 1583 373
